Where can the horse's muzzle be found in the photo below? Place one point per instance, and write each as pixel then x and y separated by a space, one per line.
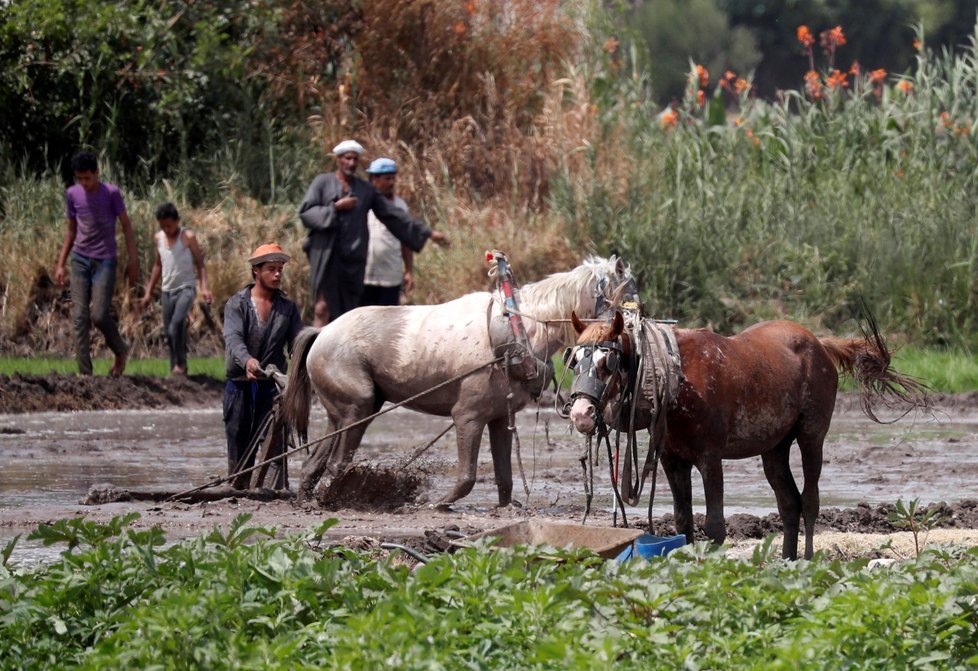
pixel 582 414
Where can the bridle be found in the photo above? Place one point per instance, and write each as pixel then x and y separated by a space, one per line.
pixel 640 372
pixel 615 357
pixel 625 295
pixel 587 360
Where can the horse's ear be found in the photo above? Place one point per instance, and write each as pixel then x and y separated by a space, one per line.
pixel 620 267
pixel 577 323
pixel 617 325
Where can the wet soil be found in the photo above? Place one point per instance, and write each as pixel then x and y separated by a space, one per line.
pixel 62 436
pixel 66 393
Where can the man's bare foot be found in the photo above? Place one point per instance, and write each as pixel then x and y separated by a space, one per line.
pixel 119 366
pixel 178 371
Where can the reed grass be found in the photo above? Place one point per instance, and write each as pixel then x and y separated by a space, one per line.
pixel 943 370
pixel 800 208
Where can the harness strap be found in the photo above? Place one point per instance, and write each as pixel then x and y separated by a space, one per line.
pixel 651 388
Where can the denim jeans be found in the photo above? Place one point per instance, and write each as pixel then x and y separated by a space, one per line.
pixel 92 287
pixel 176 309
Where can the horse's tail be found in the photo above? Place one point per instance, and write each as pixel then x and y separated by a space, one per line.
pixel 867 360
pixel 297 400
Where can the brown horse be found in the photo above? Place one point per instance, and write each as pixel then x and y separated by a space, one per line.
pixel 752 394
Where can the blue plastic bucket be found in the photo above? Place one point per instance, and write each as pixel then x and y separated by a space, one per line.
pixel 647 546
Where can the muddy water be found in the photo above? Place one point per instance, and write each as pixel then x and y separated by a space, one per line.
pixel 54 458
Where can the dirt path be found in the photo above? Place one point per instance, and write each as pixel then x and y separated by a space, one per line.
pixel 933 458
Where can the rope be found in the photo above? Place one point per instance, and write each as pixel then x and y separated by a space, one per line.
pixel 370 418
pixel 511 414
pixel 587 463
pixel 425 448
pixel 603 433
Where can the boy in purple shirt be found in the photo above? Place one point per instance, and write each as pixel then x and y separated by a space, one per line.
pixel 92 208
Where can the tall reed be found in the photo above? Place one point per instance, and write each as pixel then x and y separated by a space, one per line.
pixel 800 207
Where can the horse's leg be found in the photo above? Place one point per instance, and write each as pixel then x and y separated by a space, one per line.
pixel 501 443
pixel 468 429
pixel 711 470
pixel 679 473
pixel 778 473
pixel 315 465
pixel 329 458
pixel 811 466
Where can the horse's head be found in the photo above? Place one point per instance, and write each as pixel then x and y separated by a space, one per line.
pixel 614 287
pixel 593 289
pixel 600 364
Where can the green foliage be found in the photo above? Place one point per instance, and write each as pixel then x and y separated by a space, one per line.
pixel 148 85
pixel 942 370
pixel 8 550
pixel 127 601
pixel 77 532
pixel 209 366
pixel 910 517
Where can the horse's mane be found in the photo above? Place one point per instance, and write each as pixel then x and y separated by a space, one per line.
pixel 556 295
pixel 552 299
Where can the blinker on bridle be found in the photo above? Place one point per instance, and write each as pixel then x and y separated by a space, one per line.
pixel 629 296
pixel 586 359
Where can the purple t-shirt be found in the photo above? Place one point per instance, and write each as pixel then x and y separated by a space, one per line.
pixel 96 214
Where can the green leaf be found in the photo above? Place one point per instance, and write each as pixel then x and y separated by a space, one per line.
pixel 716 113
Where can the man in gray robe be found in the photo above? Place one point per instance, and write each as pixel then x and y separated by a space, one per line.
pixel 334 212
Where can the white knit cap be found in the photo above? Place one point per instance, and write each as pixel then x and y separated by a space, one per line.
pixel 346 146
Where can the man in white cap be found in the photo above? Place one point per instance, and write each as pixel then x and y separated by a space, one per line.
pixel 390 263
pixel 334 211
pixel 260 325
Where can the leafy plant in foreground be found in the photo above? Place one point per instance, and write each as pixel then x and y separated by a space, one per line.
pixel 911 517
pixel 243 599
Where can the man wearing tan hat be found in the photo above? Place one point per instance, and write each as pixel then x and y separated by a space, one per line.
pixel 334 213
pixel 260 325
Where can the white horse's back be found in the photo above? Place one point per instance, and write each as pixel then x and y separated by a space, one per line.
pixel 404 349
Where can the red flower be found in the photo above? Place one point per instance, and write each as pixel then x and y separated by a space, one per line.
pixel 830 39
pixel 703 75
pixel 836 80
pixel 669 118
pixel 813 84
pixel 805 36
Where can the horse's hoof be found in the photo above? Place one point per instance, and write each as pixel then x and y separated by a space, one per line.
pixel 441 507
